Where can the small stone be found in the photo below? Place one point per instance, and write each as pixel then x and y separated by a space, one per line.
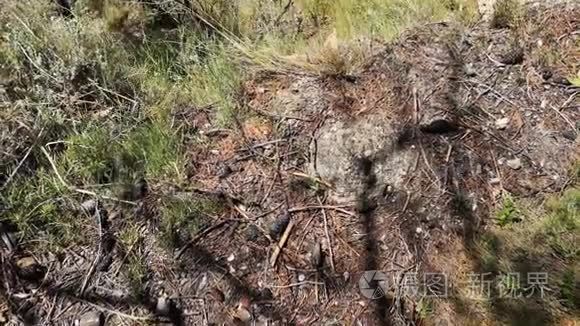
pixel 279 225
pixel 515 163
pixel 502 123
pixel 469 70
pixel 346 276
pixel 243 315
pixel 301 277
pixel 92 318
pixel 231 258
pixel 418 230
pixel 30 269
pixel 89 206
pixel 163 306
pixel 495 181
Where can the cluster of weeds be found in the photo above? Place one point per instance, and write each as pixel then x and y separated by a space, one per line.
pixel 562 227
pixel 507 14
pixel 181 218
pixel 546 243
pixel 508 213
pixel 135 268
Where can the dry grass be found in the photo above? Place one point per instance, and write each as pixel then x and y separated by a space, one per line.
pixel 507 14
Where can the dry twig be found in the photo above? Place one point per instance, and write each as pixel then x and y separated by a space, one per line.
pixel 281 244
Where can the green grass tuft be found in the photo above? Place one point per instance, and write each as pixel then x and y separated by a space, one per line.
pixel 181 218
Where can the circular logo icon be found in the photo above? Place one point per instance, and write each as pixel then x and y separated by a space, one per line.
pixel 373 284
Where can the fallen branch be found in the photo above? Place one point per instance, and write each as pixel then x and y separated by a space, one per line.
pixel 327 236
pixel 281 243
pixel 309 208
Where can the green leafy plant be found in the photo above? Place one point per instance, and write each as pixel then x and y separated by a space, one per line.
pixel 508 213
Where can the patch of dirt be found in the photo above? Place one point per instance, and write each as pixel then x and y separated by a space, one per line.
pixel 395 169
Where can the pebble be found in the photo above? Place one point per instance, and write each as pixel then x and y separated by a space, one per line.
pixel 502 123
pixel 231 258
pixel 301 277
pixel 243 315
pixel 346 276
pixel 89 206
pixel 515 163
pixel 418 230
pixel 93 318
pixel 163 307
pixel 29 269
pixel 279 225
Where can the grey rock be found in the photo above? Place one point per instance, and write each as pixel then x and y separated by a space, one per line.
pixel 29 269
pixel 502 123
pixel 340 147
pixel 278 226
pixel 242 314
pixel 163 306
pixel 92 318
pixel 89 206
pixel 515 163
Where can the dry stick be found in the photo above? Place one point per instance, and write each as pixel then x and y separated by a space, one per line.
pixel 564 117
pixel 319 180
pixel 568 101
pixel 294 284
pixel 336 208
pixel 497 171
pixel 99 253
pixel 114 312
pixel 327 237
pixel 281 243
